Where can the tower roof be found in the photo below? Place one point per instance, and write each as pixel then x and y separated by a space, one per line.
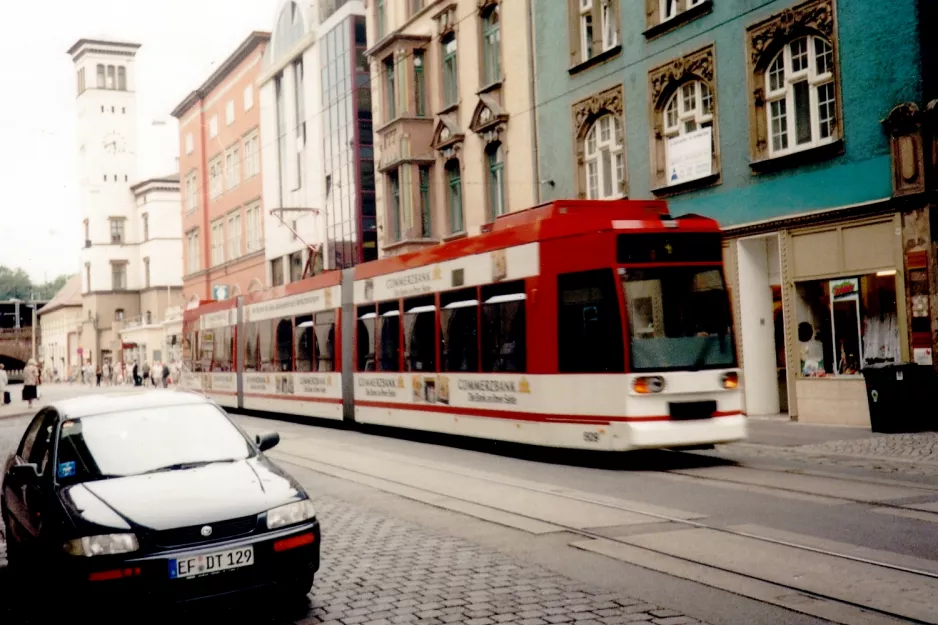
pixel 103 45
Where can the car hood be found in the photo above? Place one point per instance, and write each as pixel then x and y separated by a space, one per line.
pixel 172 499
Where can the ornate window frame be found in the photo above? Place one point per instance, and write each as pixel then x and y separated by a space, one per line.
pixel 663 82
pixel 585 112
pixel 764 40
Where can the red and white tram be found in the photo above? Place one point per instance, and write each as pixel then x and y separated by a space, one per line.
pixel 582 324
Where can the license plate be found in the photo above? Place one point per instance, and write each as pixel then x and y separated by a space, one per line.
pixel 209 563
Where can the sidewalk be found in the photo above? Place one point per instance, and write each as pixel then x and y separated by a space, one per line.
pixel 49 393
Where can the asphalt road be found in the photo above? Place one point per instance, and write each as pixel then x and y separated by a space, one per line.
pixel 437 531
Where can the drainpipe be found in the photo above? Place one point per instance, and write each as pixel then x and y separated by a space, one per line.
pixel 532 95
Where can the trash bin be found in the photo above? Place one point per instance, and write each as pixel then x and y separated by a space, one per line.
pixel 901 397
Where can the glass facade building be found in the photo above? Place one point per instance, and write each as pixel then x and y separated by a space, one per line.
pixel 348 153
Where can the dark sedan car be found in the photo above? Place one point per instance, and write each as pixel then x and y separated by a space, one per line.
pixel 155 492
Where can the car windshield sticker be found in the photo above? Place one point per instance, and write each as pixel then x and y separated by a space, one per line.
pixel 67 469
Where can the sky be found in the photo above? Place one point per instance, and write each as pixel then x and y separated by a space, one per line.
pixel 182 41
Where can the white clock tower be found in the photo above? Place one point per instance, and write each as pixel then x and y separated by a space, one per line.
pixel 118 231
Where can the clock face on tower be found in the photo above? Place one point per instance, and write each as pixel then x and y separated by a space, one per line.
pixel 114 143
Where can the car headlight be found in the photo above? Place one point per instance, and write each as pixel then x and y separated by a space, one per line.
pixel 104 545
pixel 290 514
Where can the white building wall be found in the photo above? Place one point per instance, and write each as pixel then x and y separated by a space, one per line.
pixel 309 193
pixel 164 247
pixel 55 328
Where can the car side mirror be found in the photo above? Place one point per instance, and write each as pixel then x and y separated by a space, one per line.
pixel 267 441
pixel 21 474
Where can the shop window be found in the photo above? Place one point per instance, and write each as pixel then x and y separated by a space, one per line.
pixel 265 354
pixel 589 325
pixel 325 340
pixel 420 334
pixel 459 330
pixel 365 338
pixel 846 324
pixel 305 343
pixel 250 346
pixel 389 336
pixel 284 353
pixel 503 328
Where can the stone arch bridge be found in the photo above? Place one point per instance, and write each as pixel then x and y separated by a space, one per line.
pixel 15 348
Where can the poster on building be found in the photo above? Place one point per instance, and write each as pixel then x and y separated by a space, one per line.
pixel 690 156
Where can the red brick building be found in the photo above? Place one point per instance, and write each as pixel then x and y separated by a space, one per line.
pixel 220 175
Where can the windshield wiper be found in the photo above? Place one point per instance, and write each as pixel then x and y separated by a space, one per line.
pixel 182 466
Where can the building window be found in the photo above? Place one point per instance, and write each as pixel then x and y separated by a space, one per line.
pixel 232 168
pixel 793 60
pixel 229 113
pixel 454 203
pixel 420 85
pixel 416 6
pixel 450 72
pixel 426 230
pixel 394 206
pixel 594 28
pixel 145 218
pixel 215 178
pixel 192 251
pixel 117 231
pixel 296 266
pixel 213 127
pixel 390 89
pixel 122 78
pixel 234 235
pixel 276 272
pixel 380 19
pixel 248 98
pixel 604 159
pixel 300 105
pixel 660 12
pixel 252 218
pixel 192 192
pixel 81 81
pixel 668 9
pixel 146 273
pixel 111 77
pixel 87 233
pixel 189 146
pixel 101 83
pixel 491 44
pixel 88 278
pixel 118 276
pixel 281 108
pixel 495 161
pixel 800 98
pixel 847 324
pixel 218 242
pixel 118 314
pixel 252 161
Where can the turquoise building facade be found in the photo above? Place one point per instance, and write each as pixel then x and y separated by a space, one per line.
pixel 783 120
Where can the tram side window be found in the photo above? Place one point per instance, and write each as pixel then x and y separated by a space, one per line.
pixel 365 340
pixel 420 334
pixel 459 330
pixel 325 340
pixel 389 336
pixel 250 346
pixel 265 352
pixel 221 356
pixel 283 355
pixel 305 343
pixel 589 325
pixel 503 328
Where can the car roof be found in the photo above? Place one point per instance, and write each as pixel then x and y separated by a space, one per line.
pixel 90 405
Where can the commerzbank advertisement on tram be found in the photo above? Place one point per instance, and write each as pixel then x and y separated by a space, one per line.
pixel 578 324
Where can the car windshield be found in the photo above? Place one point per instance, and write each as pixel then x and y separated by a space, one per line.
pixel 678 318
pixel 147 440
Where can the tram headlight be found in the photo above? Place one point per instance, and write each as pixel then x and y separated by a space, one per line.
pixel 648 384
pixel 730 380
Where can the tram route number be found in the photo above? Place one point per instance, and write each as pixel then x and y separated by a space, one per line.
pixel 591 437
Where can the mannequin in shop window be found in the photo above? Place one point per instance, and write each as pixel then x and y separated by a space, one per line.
pixel 812 351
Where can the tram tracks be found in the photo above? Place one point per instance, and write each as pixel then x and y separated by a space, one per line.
pixel 810 597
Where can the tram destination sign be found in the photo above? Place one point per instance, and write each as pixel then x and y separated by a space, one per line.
pixel 669 247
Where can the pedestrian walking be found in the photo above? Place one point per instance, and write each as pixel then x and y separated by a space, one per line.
pixel 146 373
pixel 97 375
pixel 106 374
pixel 136 375
pixel 4 381
pixel 31 382
pixel 165 375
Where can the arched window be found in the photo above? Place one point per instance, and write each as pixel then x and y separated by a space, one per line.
pixel 454 196
pixel 604 159
pixel 801 101
pixel 495 160
pixel 110 77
